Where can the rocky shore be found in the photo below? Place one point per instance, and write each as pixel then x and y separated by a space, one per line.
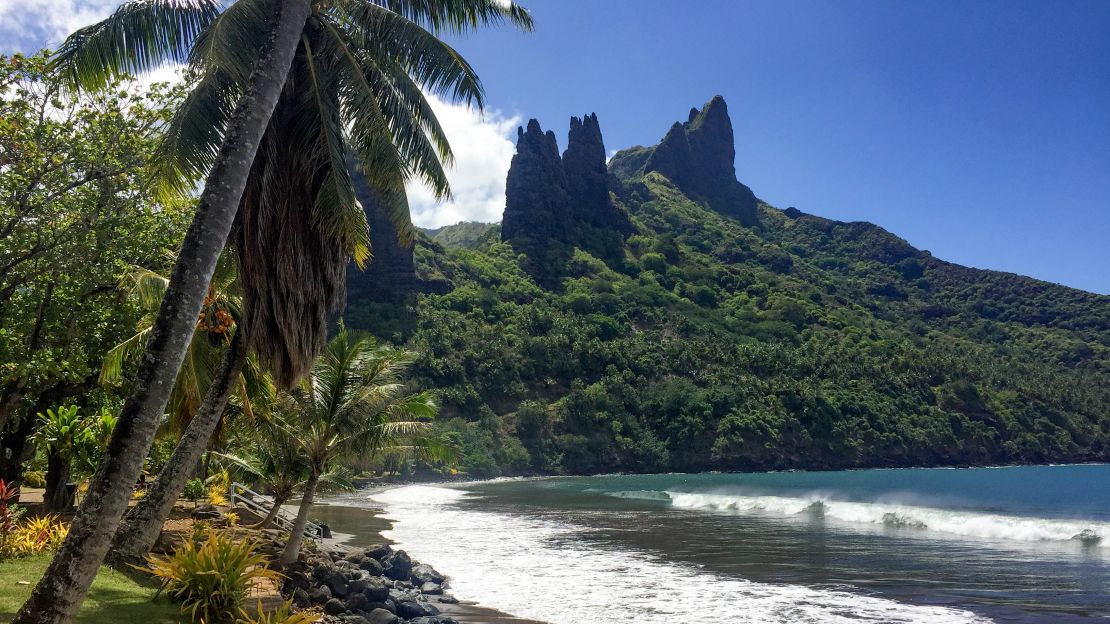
pixel 371 585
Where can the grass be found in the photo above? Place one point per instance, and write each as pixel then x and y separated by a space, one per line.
pixel 114 598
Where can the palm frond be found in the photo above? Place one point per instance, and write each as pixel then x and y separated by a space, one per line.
pixel 111 369
pixel 460 15
pixel 194 134
pixel 139 36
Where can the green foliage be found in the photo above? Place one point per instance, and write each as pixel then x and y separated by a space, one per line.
pixel 466 234
pixel 211 578
pixel 78 440
pixel 194 489
pixel 804 343
pixel 77 213
pixel 282 615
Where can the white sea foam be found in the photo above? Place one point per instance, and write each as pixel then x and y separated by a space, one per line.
pixel 537 568
pixel 967 524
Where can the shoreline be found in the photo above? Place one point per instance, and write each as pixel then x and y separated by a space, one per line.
pixel 362 526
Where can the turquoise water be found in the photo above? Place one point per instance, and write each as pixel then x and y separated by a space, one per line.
pixel 1026 544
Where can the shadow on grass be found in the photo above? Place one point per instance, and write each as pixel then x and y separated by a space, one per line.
pixel 116 596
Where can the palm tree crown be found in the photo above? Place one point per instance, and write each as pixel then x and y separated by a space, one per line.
pixel 355 96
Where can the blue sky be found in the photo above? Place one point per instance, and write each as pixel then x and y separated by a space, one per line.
pixel 977 130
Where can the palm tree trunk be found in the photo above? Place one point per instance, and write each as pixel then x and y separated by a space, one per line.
pixel 63 587
pixel 269 519
pixel 143 523
pixel 296 536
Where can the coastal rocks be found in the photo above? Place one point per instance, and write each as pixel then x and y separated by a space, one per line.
pixel 376 585
pixel 414 609
pixel 398 566
pixel 424 573
pixel 334 606
pixel 381 616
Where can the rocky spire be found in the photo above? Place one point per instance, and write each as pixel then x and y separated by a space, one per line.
pixel 698 157
pixel 537 206
pixel 588 177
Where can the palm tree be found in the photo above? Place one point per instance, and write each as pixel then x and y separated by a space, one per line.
pixel 205 378
pixel 353 99
pixel 353 404
pixel 139 37
pixel 363 91
pixel 216 325
pixel 274 463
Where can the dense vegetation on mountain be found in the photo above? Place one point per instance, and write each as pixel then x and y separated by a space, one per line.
pixel 465 234
pixel 720 338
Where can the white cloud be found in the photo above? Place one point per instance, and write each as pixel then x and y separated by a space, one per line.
pixel 483 145
pixel 27 25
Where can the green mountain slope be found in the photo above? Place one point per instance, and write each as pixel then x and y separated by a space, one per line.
pixel 463 234
pixel 796 342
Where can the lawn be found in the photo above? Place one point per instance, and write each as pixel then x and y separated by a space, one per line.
pixel 114 597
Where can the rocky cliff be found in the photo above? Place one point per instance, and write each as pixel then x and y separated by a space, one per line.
pixel 391 273
pixel 697 156
pixel 554 203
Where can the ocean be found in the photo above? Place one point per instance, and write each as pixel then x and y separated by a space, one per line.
pixel 1013 544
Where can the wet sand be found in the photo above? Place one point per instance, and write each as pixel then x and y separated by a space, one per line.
pixel 362 526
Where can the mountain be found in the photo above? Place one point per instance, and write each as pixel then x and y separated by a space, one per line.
pixel 680 324
pixel 468 234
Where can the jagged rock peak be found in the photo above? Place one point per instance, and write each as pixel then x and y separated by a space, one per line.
pixel 535 140
pixel 587 176
pixel 698 157
pixel 554 203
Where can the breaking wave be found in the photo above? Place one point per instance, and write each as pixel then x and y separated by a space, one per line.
pixel 967 524
pixel 539 568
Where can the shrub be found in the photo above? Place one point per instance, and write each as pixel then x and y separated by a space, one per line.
pixel 34 478
pixel 282 615
pixel 194 490
pixel 211 578
pixel 9 516
pixel 36 535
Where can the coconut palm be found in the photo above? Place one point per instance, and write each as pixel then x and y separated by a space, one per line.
pixel 354 99
pixel 140 36
pixel 274 463
pixel 215 327
pixel 203 369
pixel 353 404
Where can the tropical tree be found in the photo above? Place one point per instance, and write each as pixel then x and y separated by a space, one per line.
pixel 353 107
pixel 140 36
pixel 353 404
pixel 215 327
pixel 274 463
pixel 71 440
pixel 76 212
pixel 240 60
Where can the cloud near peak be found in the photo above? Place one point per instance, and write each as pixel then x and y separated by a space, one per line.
pixel 483 150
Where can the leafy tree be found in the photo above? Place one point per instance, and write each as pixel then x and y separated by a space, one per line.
pixel 354 403
pixel 76 213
